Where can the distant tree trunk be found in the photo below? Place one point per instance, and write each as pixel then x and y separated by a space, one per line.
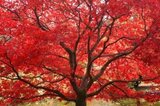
pixel 138 102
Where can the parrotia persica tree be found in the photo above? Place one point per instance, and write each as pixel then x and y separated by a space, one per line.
pixel 77 50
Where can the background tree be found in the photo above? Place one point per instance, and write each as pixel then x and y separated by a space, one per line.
pixel 77 49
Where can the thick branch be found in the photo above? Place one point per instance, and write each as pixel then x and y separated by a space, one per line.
pixel 58 93
pixel 73 65
pixel 72 56
pixel 119 81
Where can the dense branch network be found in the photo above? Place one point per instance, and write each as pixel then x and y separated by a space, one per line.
pixel 69 56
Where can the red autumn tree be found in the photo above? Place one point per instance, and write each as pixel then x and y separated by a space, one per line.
pixel 77 49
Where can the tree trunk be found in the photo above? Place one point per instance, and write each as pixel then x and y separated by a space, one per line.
pixel 138 102
pixel 81 101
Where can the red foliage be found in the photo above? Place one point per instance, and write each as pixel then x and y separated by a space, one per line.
pixel 74 49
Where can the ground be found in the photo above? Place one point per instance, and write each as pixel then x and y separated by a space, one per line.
pixel 127 102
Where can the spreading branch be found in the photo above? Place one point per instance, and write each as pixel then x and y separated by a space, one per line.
pixel 56 92
pixel 119 81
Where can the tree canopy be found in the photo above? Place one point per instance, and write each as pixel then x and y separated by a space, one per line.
pixel 77 50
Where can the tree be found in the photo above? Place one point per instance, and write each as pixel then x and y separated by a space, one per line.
pixel 77 49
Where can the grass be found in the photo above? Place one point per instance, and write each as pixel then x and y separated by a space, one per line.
pixel 123 102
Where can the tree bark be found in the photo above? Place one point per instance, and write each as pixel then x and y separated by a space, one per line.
pixel 81 101
pixel 81 98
